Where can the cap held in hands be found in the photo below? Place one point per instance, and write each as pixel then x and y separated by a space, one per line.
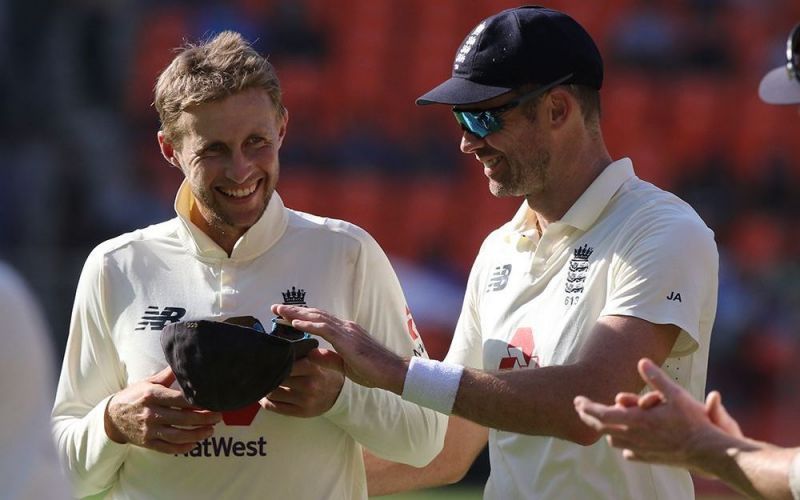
pixel 223 366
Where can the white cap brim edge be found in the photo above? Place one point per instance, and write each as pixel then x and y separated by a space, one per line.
pixel 777 88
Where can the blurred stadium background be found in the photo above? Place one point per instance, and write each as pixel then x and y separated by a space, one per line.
pixel 81 163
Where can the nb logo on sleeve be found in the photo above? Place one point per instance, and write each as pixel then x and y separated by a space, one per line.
pixel 499 278
pixel 156 319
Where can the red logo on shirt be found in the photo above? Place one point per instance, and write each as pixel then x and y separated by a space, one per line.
pixel 419 348
pixel 520 351
pixel 226 446
pixel 412 328
pixel 242 416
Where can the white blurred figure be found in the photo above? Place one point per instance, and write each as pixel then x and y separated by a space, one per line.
pixel 782 84
pixel 29 467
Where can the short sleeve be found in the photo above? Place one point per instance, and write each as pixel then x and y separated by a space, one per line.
pixel 666 273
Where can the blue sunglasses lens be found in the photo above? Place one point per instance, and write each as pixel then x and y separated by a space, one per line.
pixel 480 123
pixel 487 121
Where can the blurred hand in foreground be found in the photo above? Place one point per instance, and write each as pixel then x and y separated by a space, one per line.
pixel 663 425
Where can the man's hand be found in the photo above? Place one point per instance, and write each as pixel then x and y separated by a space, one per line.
pixel 358 355
pixel 663 426
pixel 720 417
pixel 309 391
pixel 151 415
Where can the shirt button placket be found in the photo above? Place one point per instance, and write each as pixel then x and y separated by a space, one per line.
pixel 227 289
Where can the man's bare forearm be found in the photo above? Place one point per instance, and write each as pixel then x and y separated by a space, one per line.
pixel 535 402
pixel 757 469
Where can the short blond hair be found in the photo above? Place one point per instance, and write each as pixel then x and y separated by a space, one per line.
pixel 212 70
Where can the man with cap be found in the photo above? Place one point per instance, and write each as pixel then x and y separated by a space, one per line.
pixel 122 426
pixel 590 275
pixel 668 426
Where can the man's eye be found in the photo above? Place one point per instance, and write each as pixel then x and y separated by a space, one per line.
pixel 486 119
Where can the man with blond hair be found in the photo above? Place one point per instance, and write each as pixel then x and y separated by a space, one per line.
pixel 232 250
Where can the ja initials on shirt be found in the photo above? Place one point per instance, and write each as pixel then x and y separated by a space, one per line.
pixel 674 296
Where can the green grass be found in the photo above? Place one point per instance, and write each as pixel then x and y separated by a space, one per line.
pixel 476 493
pixel 444 493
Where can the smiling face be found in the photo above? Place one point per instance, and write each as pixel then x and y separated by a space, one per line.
pixel 516 159
pixel 228 151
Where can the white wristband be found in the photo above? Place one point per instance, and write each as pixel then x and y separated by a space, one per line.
pixel 432 384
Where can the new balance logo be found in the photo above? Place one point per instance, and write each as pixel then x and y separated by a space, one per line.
pixel 156 319
pixel 499 278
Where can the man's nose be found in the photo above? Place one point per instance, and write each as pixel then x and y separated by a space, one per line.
pixel 241 167
pixel 470 142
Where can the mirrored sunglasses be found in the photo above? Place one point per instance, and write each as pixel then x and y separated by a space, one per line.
pixel 487 121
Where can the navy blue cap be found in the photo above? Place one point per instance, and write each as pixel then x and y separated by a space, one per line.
pixel 516 47
pixel 228 365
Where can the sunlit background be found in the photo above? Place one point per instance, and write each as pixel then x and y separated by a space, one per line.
pixel 81 164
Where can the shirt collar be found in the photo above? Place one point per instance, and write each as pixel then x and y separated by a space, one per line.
pixel 585 211
pixel 588 207
pixel 260 237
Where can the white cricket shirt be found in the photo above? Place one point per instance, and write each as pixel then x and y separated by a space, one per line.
pixel 132 285
pixel 624 248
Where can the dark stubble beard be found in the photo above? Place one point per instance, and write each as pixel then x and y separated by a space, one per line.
pixel 528 180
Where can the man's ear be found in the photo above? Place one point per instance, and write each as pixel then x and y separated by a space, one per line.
pixel 282 123
pixel 562 105
pixel 167 149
